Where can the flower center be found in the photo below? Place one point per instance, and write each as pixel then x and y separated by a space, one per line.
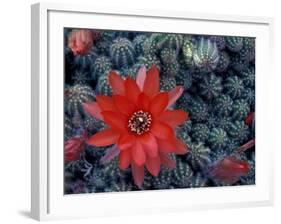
pixel 140 122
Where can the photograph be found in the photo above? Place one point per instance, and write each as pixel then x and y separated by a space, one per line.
pixel 157 111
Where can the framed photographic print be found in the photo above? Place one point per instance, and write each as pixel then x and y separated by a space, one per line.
pixel 168 116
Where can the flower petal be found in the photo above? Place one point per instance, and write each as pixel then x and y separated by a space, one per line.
pixel 93 109
pixel 138 174
pixel 104 138
pixel 141 77
pixel 110 154
pixel 116 120
pixel 143 102
pixel 123 105
pixel 124 159
pixel 151 83
pixel 117 83
pixel 173 117
pixel 159 103
pixel 172 146
pixel 167 161
pixel 132 90
pixel 138 154
pixel 106 103
pixel 126 141
pixel 174 95
pixel 153 165
pixel 149 144
pixel 161 130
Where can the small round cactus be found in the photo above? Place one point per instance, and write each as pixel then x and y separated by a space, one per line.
pixel 233 86
pixel 224 122
pixel 83 62
pixel 238 64
pixel 102 48
pixel 173 41
pixel 224 62
pixel 184 79
pixel 138 44
pixel 150 45
pixel 219 40
pixel 182 173
pixel 101 67
pixel 75 96
pixel 249 95
pixel 197 181
pixel 81 77
pixel 198 110
pixel 170 69
pixel 234 44
pixel 103 87
pixel 218 138
pixel 187 51
pixel 163 180
pixel 206 55
pixel 121 186
pixel 210 86
pixel 148 61
pixel 212 120
pixel 168 55
pixel 239 130
pixel 199 156
pixel 167 83
pixel 248 77
pixel 247 53
pixel 223 104
pixel 200 132
pixel 240 109
pixel 122 52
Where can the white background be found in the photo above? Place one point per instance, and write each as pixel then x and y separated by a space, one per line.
pixel 15 111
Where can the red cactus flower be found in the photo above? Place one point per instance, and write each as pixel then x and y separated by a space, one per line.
pixel 141 123
pixel 229 170
pixel 249 118
pixel 74 146
pixel 80 41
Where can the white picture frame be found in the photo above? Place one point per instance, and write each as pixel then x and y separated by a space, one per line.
pixel 48 201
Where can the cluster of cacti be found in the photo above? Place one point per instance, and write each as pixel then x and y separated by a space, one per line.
pixel 217 74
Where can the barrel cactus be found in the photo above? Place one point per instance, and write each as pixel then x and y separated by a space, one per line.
pixel 206 55
pixel 234 44
pixel 239 130
pixel 199 156
pixel 240 109
pixel 200 132
pixel 103 87
pixel 233 86
pixel 184 79
pixel 218 138
pixel 248 77
pixel 138 44
pixel 224 62
pixel 168 55
pixel 75 96
pixel 223 104
pixel 187 51
pixel 210 86
pixel 101 66
pixel 182 173
pixel 167 83
pixel 122 52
